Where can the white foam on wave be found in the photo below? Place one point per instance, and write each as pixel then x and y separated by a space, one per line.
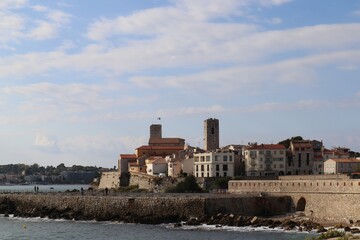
pixel 205 227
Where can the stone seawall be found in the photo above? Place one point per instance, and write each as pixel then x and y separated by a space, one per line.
pixel 328 200
pixel 140 209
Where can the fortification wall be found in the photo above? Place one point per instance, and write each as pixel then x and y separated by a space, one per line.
pixel 109 180
pixel 296 186
pixel 143 208
pixel 133 209
pixel 331 200
pixel 312 177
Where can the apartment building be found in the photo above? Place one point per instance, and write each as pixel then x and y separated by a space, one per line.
pixel 341 165
pixel 265 159
pixel 214 164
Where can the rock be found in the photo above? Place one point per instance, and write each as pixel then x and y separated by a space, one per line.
pixel 347 229
pixel 177 225
pixel 321 229
pixel 355 230
pixel 253 220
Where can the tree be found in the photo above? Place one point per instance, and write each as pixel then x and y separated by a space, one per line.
pixel 189 185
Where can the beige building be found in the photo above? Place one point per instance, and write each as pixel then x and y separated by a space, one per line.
pixel 341 165
pixel 214 164
pixel 265 159
pixel 156 165
pixel 300 158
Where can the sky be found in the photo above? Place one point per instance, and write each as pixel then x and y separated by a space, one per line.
pixel 81 81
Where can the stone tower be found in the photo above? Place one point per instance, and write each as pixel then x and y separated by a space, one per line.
pixel 211 134
pixel 155 131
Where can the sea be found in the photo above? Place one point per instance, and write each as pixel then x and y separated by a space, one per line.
pixel 42 188
pixel 42 228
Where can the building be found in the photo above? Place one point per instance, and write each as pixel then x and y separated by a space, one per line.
pixel 265 160
pixel 341 165
pixel 300 158
pixel 162 151
pixel 156 165
pixel 124 160
pixel 238 158
pixel 214 164
pixel 211 134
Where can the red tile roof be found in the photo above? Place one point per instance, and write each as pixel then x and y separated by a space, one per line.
pixel 345 160
pixel 128 156
pixel 267 147
pixel 166 140
pixel 161 148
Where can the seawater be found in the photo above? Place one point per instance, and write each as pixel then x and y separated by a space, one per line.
pixel 42 188
pixel 39 228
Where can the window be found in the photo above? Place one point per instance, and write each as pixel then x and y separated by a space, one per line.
pixel 217 168
pixel 216 158
pixel 212 130
pixel 208 158
pixel 197 167
pixel 225 167
pixel 261 152
pixel 208 167
pixel 274 152
pixel 225 158
pixel 230 158
pixel 225 174
pixel 307 159
pixel 281 152
pixel 196 159
pixel 202 167
pixel 202 159
pixel 299 160
pixel 274 165
pixel 217 174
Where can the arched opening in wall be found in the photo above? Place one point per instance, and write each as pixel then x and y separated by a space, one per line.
pixel 300 206
pixel 281 173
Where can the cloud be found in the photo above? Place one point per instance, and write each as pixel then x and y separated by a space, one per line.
pixel 356 13
pixel 12 4
pixel 44 141
pixel 43 31
pixel 40 8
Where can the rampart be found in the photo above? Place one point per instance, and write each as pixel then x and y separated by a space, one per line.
pixel 140 208
pixel 332 200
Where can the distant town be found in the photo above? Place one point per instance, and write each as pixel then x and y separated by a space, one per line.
pixel 34 174
pixel 172 157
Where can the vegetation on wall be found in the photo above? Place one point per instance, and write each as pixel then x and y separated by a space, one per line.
pixel 189 185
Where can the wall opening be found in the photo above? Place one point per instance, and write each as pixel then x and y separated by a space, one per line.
pixel 300 206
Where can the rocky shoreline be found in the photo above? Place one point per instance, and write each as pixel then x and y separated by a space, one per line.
pixel 292 222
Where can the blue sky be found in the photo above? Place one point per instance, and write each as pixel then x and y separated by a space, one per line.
pixel 81 81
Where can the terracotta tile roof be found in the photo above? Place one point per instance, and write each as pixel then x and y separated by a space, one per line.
pixel 157 160
pixel 267 147
pixel 345 160
pixel 302 144
pixel 161 148
pixel 166 140
pixel 128 156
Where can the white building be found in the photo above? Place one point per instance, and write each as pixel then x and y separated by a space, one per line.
pixel 265 159
pixel 341 165
pixel 156 165
pixel 214 164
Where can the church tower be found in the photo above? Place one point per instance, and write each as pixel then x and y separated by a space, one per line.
pixel 155 131
pixel 211 134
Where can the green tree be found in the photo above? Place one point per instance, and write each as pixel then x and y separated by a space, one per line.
pixel 189 185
